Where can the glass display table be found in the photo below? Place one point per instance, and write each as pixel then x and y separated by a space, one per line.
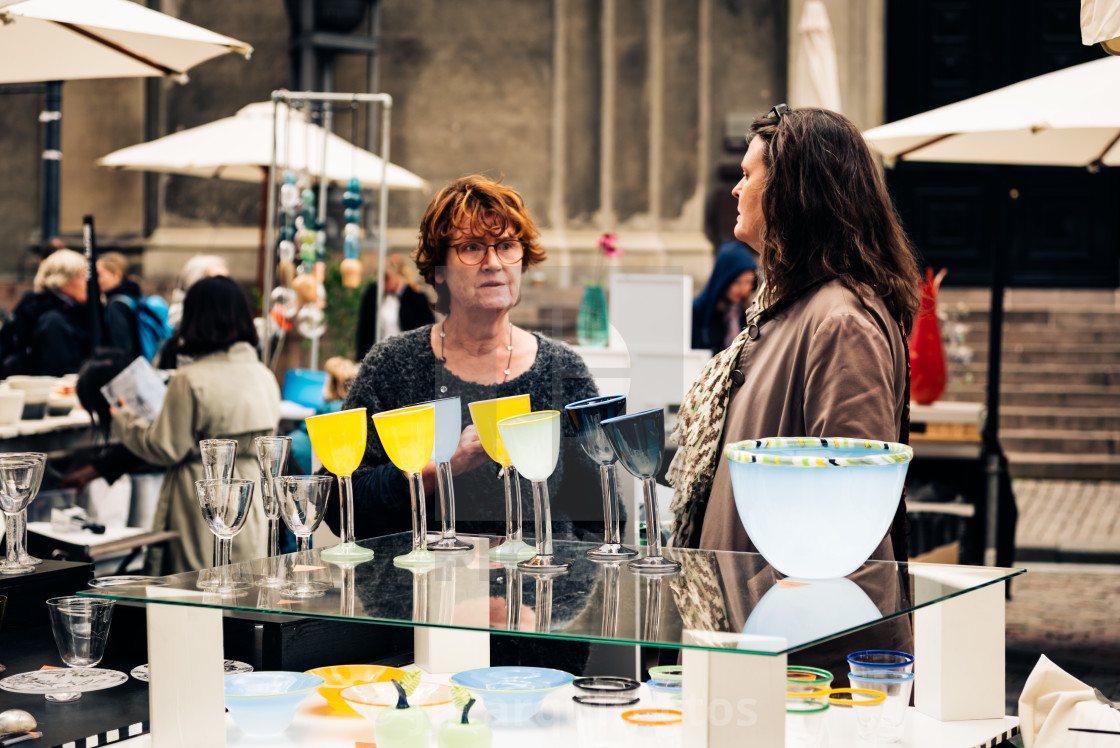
pixel 732 617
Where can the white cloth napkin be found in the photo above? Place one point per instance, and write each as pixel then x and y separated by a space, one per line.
pixel 1054 701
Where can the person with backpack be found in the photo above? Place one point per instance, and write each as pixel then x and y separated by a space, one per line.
pixel 133 322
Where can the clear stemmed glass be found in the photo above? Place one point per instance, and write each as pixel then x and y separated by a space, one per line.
pixel 639 442
pixel 225 507
pixel 272 454
pixel 449 425
pixel 586 416
pixel 80 626
pixel 25 557
pixel 303 502
pixel 339 440
pixel 408 437
pixel 20 476
pixel 486 414
pixel 218 459
pixel 533 443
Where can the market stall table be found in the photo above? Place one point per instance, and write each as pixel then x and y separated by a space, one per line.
pixel 958 614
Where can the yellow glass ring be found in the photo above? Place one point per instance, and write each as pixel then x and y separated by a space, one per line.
pixel 815 693
pixel 876 697
pixel 635 717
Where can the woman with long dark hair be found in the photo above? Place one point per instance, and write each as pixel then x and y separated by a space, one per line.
pixel 824 351
pixel 221 390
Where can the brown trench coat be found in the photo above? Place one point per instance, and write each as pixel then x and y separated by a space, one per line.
pixel 828 365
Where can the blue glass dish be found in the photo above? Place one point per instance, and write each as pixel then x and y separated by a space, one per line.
pixel 512 695
pixel 264 702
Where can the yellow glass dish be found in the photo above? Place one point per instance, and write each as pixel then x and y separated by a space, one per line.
pixel 339 677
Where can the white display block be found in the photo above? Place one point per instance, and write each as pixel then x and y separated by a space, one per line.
pixel 440 650
pixel 732 699
pixel 185 693
pixel 959 652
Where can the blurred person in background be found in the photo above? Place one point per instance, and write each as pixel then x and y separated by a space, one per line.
pixel 404 306
pixel 194 270
pixel 719 312
pixel 122 294
pixel 220 390
pixel 340 375
pixel 48 333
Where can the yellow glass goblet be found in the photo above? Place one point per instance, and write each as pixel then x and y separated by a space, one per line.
pixel 486 414
pixel 533 441
pixel 339 440
pixel 408 436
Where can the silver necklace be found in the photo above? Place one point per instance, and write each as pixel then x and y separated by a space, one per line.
pixel 443 342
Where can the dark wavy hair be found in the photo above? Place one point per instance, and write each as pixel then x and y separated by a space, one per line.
pixel 479 206
pixel 215 316
pixel 828 215
pixel 96 372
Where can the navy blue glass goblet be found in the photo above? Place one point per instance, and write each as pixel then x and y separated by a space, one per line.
pixel 586 415
pixel 638 441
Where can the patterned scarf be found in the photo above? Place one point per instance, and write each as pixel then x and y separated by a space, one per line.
pixel 698 434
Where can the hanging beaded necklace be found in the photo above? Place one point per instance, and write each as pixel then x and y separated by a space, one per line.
pixel 509 347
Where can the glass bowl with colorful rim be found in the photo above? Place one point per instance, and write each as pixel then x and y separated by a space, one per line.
pixel 264 702
pixel 513 694
pixel 667 674
pixel 816 508
pixel 339 677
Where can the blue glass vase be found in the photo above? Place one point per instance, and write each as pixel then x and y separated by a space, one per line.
pixel 592 325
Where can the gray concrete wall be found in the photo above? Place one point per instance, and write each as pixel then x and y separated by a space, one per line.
pixel 608 115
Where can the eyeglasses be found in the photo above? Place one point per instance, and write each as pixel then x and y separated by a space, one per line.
pixel 474 251
pixel 778 111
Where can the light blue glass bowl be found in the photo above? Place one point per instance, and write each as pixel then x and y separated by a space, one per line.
pixel 512 695
pixel 264 702
pixel 816 508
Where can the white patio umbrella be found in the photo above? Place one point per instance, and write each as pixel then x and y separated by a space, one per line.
pixel 238 148
pixel 1100 23
pixel 1064 118
pixel 816 78
pixel 54 40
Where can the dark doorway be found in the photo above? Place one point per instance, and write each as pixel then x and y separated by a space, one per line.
pixel 1064 224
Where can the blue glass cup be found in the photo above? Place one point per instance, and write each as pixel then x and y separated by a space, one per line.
pixel 586 416
pixel 638 441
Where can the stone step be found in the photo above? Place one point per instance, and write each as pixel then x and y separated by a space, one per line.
pixel 1071 442
pixel 1055 466
pixel 1063 419
pixel 1057 395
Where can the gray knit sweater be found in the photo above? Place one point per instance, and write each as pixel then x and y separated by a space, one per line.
pixel 402 371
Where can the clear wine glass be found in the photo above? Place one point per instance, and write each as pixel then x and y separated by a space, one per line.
pixel 408 437
pixel 533 443
pixel 339 440
pixel 225 507
pixel 485 414
pixel 218 459
pixel 639 442
pixel 303 502
pixel 449 427
pixel 586 415
pixel 21 473
pixel 80 626
pixel 272 455
pixel 24 556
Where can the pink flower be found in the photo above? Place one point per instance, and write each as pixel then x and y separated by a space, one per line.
pixel 609 244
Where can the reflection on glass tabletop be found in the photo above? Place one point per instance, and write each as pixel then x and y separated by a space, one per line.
pixel 719 600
